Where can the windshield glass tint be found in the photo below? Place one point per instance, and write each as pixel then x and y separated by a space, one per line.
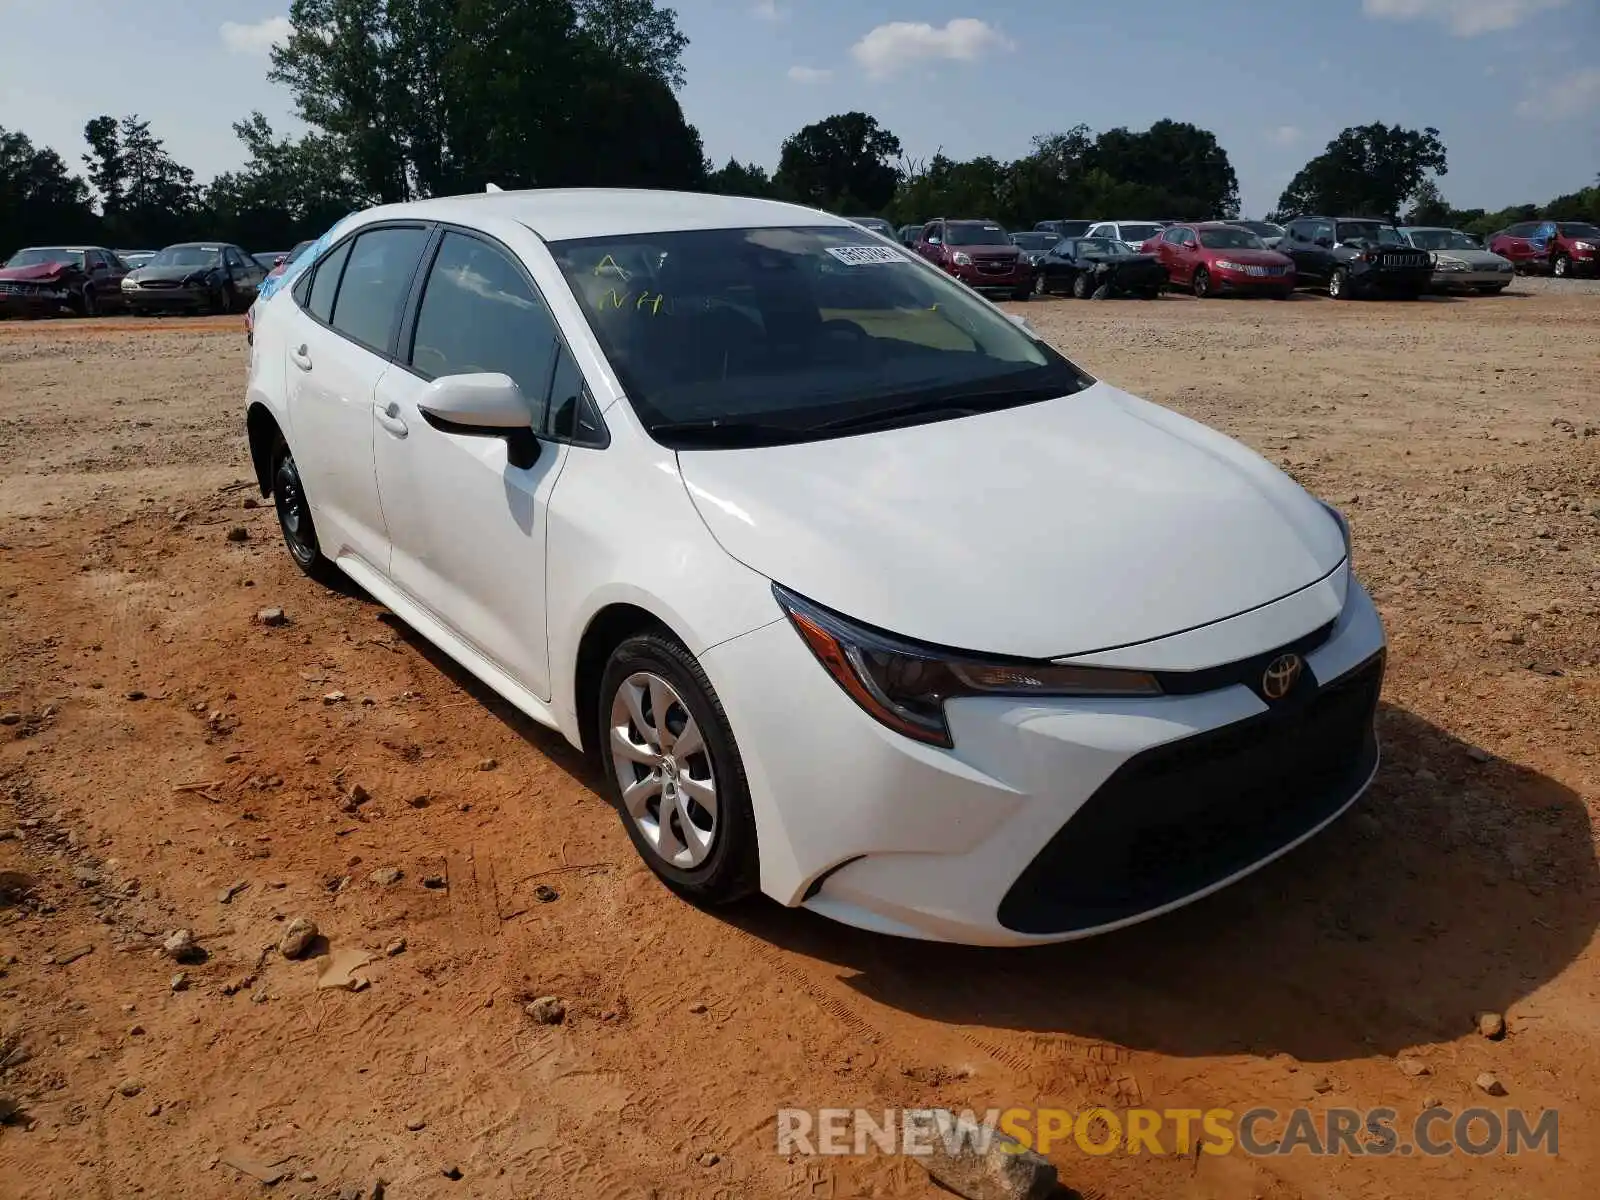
pixel 1101 246
pixel 187 256
pixel 35 258
pixel 1431 239
pixel 1230 239
pixel 788 328
pixel 976 235
pixel 1370 231
pixel 1580 229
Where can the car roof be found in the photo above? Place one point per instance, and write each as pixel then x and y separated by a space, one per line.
pixel 559 214
pixel 1426 229
pixel 55 246
pixel 198 245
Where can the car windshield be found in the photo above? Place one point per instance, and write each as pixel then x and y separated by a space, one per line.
pixel 1370 231
pixel 1034 243
pixel 1443 239
pixel 47 254
pixel 976 235
pixel 730 337
pixel 1578 229
pixel 1139 233
pixel 1264 229
pixel 1101 246
pixel 187 256
pixel 1230 239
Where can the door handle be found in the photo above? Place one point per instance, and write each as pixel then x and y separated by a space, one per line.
pixel 389 417
pixel 302 358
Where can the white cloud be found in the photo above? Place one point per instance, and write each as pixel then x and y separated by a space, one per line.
pixel 1286 135
pixel 255 39
pixel 898 44
pixel 1568 96
pixel 809 74
pixel 768 10
pixel 1464 18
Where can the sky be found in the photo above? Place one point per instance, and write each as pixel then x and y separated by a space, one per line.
pixel 1512 85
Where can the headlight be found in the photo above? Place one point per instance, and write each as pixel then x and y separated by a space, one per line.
pixel 1344 529
pixel 962 259
pixel 1224 265
pixel 1442 263
pixel 129 283
pixel 904 685
pixel 1583 245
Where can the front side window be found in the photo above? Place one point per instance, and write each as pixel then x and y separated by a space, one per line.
pixel 479 313
pixel 376 279
pixel 1230 239
pixel 759 336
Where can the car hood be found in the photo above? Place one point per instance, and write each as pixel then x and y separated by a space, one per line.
pixel 169 274
pixel 1256 258
pixel 1482 259
pixel 35 272
pixel 1083 523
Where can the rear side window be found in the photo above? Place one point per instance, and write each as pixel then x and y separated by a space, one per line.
pixel 325 283
pixel 480 313
pixel 375 283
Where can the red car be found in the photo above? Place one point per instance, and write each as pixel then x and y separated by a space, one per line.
pixel 980 254
pixel 44 280
pixel 1210 258
pixel 1561 248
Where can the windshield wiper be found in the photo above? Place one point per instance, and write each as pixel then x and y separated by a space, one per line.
pixel 720 431
pixel 962 403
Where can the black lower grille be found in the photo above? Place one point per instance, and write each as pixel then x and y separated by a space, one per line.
pixel 1178 818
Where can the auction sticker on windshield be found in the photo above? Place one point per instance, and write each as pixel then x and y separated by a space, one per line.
pixel 864 256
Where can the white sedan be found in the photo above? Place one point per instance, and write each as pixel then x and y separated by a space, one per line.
pixel 863 596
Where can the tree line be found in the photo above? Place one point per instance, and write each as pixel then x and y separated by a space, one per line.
pixel 411 98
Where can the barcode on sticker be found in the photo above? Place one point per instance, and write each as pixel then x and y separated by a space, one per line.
pixel 864 256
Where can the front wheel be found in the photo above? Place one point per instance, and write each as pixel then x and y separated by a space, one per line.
pixel 1562 267
pixel 1080 286
pixel 1022 293
pixel 1201 284
pixel 674 771
pixel 1040 288
pixel 1339 284
pixel 88 303
pixel 294 517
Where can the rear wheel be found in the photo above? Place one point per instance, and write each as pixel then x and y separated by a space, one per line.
pixel 1339 284
pixel 294 516
pixel 674 771
pixel 1201 284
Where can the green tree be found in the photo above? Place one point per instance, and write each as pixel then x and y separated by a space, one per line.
pixel 1429 207
pixel 1368 170
pixel 1181 167
pixel 40 200
pixel 735 178
pixel 840 163
pixel 287 190
pixel 638 35
pixel 146 196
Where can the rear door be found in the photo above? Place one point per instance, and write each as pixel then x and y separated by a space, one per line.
pixel 339 347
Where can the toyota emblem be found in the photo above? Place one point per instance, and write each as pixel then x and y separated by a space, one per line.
pixel 1280 676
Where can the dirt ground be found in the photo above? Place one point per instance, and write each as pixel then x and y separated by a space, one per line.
pixel 174 764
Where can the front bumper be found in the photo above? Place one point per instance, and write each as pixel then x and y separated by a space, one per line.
pixel 1050 820
pixel 1392 281
pixel 1246 284
pixel 33 302
pixel 1451 281
pixel 148 299
pixel 986 281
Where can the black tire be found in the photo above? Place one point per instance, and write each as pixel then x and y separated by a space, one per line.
pixel 1561 268
pixel 1150 293
pixel 1080 286
pixel 221 302
pixel 1494 289
pixel 1024 293
pixel 730 869
pixel 1339 284
pixel 1041 285
pixel 1103 292
pixel 1200 285
pixel 294 517
pixel 88 303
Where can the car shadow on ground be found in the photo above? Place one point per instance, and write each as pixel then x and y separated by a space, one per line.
pixel 1455 886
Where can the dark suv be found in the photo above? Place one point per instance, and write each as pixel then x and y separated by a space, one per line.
pixel 1560 247
pixel 980 254
pixel 1353 256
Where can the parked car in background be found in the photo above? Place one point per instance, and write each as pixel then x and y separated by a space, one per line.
pixel 729 544
pixel 907 235
pixel 1270 232
pixel 1131 234
pixel 1035 244
pixel 1099 268
pixel 268 260
pixel 41 281
pixel 1460 263
pixel 980 254
pixel 1355 256
pixel 215 277
pixel 1064 228
pixel 876 224
pixel 287 260
pixel 1560 248
pixel 1212 258
pixel 134 259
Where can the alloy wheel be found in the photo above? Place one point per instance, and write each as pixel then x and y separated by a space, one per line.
pixel 663 770
pixel 1336 285
pixel 1202 283
pixel 1562 266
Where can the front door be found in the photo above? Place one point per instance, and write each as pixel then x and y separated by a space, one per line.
pixel 467 527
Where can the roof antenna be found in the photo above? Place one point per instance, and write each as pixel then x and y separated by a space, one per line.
pixel 494 187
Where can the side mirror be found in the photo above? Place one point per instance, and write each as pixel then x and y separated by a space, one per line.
pixel 486 404
pixel 1022 323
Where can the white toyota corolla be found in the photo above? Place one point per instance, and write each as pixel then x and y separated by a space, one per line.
pixel 863 596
